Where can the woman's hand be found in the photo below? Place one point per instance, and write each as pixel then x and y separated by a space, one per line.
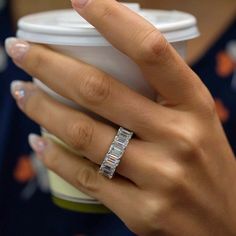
pixel 178 175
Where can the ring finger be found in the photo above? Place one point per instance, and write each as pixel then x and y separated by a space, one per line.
pixel 89 137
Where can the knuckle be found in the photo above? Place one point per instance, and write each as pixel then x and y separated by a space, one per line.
pixel 33 103
pixel 51 160
pixel 209 106
pixel 107 12
pixel 80 134
pixel 189 144
pixel 152 217
pixel 153 48
pixel 95 89
pixel 153 214
pixel 175 178
pixel 86 178
pixel 36 63
pixel 177 184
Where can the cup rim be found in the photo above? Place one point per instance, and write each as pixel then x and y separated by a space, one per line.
pixel 66 27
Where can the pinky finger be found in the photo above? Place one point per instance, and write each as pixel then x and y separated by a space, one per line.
pixel 117 194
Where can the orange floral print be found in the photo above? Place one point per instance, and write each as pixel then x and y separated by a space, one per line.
pixel 224 64
pixel 24 171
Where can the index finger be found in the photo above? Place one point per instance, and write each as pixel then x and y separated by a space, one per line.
pixel 122 27
pixel 141 41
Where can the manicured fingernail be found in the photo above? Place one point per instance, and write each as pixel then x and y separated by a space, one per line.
pixel 16 48
pixel 37 143
pixel 79 3
pixel 18 91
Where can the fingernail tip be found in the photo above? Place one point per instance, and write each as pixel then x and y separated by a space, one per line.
pixel 15 85
pixel 79 4
pixel 32 140
pixel 16 48
pixel 32 137
pixel 37 143
pixel 9 42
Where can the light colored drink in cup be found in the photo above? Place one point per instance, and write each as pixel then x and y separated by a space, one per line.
pixel 66 32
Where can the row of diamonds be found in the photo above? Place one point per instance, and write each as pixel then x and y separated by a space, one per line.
pixel 115 152
pixel 123 137
pixel 107 171
pixel 117 148
pixel 126 132
pixel 111 161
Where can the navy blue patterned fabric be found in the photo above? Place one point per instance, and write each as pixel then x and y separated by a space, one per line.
pixel 217 69
pixel 25 210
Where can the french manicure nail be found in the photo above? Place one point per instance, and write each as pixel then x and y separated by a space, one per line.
pixel 79 3
pixel 18 90
pixel 16 48
pixel 37 143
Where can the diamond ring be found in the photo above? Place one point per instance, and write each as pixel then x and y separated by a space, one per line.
pixel 116 151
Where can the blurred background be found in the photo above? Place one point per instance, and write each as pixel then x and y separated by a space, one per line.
pixel 210 21
pixel 25 206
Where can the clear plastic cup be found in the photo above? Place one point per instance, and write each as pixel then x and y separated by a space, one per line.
pixel 66 32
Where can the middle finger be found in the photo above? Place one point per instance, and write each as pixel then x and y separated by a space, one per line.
pixel 91 88
pixel 162 67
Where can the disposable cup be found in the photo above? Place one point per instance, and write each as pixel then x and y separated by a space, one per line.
pixel 66 32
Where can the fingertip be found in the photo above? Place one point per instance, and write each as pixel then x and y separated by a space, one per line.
pixel 17 89
pixel 16 48
pixel 38 144
pixel 8 43
pixel 79 4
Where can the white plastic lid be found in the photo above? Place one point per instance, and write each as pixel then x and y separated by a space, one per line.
pixel 66 27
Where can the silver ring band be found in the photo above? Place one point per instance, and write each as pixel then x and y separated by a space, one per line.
pixel 116 151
